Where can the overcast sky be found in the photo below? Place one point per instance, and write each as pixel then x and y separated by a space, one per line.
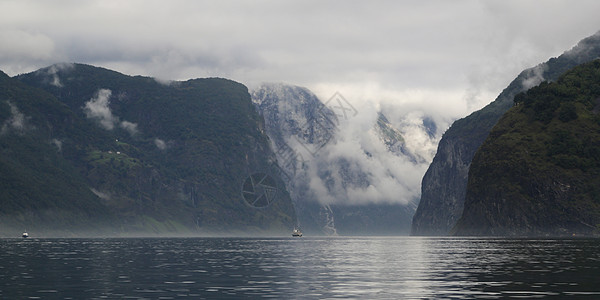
pixel 443 58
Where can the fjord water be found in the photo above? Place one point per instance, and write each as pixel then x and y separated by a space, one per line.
pixel 348 267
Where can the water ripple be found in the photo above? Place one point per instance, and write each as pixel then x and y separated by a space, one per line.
pixel 373 268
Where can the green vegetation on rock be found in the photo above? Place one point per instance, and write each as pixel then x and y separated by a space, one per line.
pixel 89 150
pixel 538 171
pixel 444 185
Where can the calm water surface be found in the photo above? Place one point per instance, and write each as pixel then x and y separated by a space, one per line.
pixel 366 268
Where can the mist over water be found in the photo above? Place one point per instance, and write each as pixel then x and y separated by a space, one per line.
pixel 366 268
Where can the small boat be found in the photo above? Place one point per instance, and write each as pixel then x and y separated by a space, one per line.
pixel 296 232
pixel 25 235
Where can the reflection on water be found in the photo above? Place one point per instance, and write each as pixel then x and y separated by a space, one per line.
pixel 367 268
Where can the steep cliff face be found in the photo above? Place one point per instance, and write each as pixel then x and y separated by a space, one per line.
pixel 157 158
pixel 444 184
pixel 304 133
pixel 537 172
pixel 298 125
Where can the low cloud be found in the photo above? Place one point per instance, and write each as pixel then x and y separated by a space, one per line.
pixel 98 108
pixel 17 121
pixel 101 195
pixel 357 168
pixel 160 144
pixel 129 127
pixel 355 158
pixel 419 140
pixel 163 81
pixel 534 76
pixel 58 143
pixel 53 71
pixel 442 107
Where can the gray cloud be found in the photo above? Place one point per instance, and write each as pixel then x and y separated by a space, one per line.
pixel 17 121
pixel 52 73
pixel 129 127
pixel 534 77
pixel 58 143
pixel 412 44
pixel 160 144
pixel 98 108
pixel 356 167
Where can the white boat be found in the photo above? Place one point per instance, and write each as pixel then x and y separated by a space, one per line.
pixel 296 232
pixel 25 235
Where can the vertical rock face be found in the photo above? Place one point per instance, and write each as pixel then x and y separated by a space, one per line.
pixel 444 184
pixel 303 131
pixel 443 190
pixel 298 125
pixel 537 172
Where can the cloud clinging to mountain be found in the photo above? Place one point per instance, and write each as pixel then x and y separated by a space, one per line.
pixel 98 108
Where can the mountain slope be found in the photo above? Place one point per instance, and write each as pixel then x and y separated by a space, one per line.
pixel 159 158
pixel 37 182
pixel 299 125
pixel 307 136
pixel 538 171
pixel 445 182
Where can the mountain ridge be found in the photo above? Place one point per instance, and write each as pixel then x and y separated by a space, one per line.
pixel 537 172
pixel 303 131
pixel 444 185
pixel 161 158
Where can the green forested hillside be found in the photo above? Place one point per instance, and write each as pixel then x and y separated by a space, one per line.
pixel 36 182
pixel 130 155
pixel 445 182
pixel 538 171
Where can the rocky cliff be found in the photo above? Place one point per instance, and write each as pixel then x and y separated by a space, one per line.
pixel 304 133
pixel 444 185
pixel 537 172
